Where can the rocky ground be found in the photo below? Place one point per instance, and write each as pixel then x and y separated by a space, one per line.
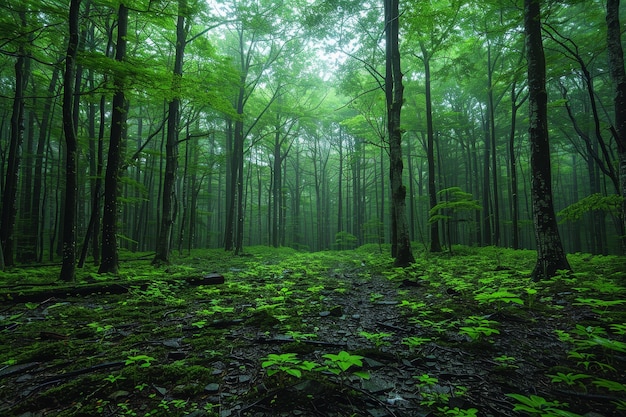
pixel 340 334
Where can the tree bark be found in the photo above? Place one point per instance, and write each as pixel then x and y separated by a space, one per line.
pixel 515 105
pixel 9 202
pixel 110 259
pixel 435 243
pixel 164 240
pixel 491 111
pixel 394 94
pixel 618 75
pixel 550 254
pixel 68 267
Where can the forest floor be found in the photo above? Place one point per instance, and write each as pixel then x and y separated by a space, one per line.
pixel 317 334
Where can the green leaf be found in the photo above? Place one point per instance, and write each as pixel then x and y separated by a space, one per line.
pixel 362 374
pixel 294 372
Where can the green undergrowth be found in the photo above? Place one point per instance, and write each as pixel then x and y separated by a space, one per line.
pixel 164 339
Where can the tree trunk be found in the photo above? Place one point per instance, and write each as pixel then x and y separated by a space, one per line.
pixel 486 211
pixel 277 184
pixel 339 183
pixel 515 105
pixel 435 243
pixel 38 178
pixel 550 254
pixel 231 176
pixel 109 262
pixel 68 268
pixel 618 75
pixel 164 240
pixel 394 91
pixel 7 220
pixel 491 111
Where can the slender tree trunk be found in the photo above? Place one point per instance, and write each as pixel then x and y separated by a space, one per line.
pixel 394 92
pixel 340 183
pixel 240 198
pixel 550 254
pixel 486 211
pixel 515 105
pixel 435 243
pixel 618 75
pixel 494 164
pixel 68 268
pixel 164 240
pixel 231 177
pixel 184 185
pixel 27 230
pixel 38 178
pixel 9 197
pixel 411 192
pixel 110 261
pixel 276 188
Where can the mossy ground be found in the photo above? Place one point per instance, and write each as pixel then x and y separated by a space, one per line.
pixel 450 334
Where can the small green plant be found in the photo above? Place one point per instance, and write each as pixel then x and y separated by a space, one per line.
pixel 570 379
pixel 481 327
pixel 377 338
pixel 288 363
pixel 506 362
pixel 341 362
pixel 126 410
pixel 499 298
pixel 620 405
pixel 413 305
pixel 414 342
pixel 610 385
pixel 99 328
pixel 619 329
pixel 144 361
pixel 138 361
pixel 531 296
pixel 584 359
pixel 199 324
pixel 430 395
pixel 425 380
pixel 114 378
pixel 539 406
pixel 598 306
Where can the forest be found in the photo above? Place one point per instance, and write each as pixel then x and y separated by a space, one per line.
pixel 312 207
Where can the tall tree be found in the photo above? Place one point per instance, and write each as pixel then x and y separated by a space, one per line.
pixel 9 196
pixel 432 28
pixel 618 75
pixel 550 254
pixel 171 147
pixel 68 268
pixel 110 260
pixel 394 90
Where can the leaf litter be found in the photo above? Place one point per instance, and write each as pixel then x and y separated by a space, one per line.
pixel 462 335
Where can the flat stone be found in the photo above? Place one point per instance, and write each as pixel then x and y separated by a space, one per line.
pixel 212 388
pixel 376 385
pixel 372 363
